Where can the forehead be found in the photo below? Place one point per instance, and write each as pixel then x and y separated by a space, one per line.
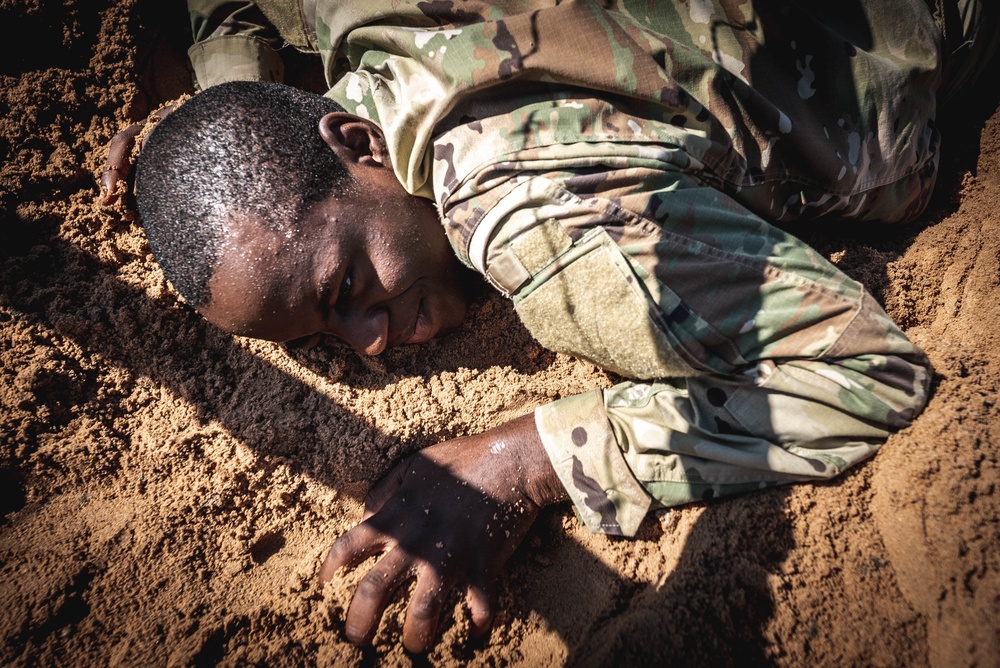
pixel 262 277
pixel 251 252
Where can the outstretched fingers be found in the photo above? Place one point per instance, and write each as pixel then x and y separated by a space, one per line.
pixel 364 540
pixel 424 610
pixel 480 601
pixel 373 594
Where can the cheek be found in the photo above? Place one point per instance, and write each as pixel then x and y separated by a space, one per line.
pixel 455 292
pixel 276 321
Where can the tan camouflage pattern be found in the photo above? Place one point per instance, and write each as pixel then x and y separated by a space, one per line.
pixel 611 167
pixel 233 41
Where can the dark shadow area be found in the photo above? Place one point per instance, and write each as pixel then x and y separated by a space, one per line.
pixel 961 123
pixel 12 497
pixel 260 405
pixel 50 44
pixel 710 610
pixel 172 28
pixel 266 546
pixel 863 250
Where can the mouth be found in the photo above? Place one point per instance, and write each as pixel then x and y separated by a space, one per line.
pixel 423 329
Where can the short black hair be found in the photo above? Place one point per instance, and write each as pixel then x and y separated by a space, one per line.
pixel 236 148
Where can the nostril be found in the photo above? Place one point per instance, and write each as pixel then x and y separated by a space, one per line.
pixel 376 347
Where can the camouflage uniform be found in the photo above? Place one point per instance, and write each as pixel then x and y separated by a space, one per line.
pixel 610 169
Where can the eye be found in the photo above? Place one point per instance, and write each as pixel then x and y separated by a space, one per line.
pixel 345 288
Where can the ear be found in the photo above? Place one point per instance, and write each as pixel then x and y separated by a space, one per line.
pixel 354 139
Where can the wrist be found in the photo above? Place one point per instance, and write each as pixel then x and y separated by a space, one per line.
pixel 535 475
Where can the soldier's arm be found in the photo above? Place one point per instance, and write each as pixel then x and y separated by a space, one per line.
pixel 811 389
pixel 752 360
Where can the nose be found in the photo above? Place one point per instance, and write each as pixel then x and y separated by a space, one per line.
pixel 366 331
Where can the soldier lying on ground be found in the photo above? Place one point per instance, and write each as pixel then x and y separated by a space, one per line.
pixel 611 170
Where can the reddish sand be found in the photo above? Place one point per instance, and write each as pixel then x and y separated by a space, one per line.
pixel 168 490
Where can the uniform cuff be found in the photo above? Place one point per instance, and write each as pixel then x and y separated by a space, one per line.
pixel 583 450
pixel 235 58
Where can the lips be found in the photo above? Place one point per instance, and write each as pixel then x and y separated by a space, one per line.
pixel 423 330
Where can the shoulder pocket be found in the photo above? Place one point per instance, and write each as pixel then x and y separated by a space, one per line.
pixel 589 303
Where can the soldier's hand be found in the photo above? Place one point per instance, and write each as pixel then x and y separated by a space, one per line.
pixel 450 515
pixel 115 177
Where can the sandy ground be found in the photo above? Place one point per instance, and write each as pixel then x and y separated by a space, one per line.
pixel 168 490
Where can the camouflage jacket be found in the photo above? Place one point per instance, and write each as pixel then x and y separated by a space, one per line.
pixel 610 167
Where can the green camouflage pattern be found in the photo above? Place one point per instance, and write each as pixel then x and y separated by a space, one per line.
pixel 610 167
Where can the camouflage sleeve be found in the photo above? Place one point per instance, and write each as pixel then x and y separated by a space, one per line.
pixel 752 360
pixel 233 41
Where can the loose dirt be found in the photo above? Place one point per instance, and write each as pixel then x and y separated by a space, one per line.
pixel 168 490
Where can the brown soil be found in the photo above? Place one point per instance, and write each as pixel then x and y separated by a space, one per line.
pixel 168 490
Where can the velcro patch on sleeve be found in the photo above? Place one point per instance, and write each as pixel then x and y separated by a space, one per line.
pixel 594 307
